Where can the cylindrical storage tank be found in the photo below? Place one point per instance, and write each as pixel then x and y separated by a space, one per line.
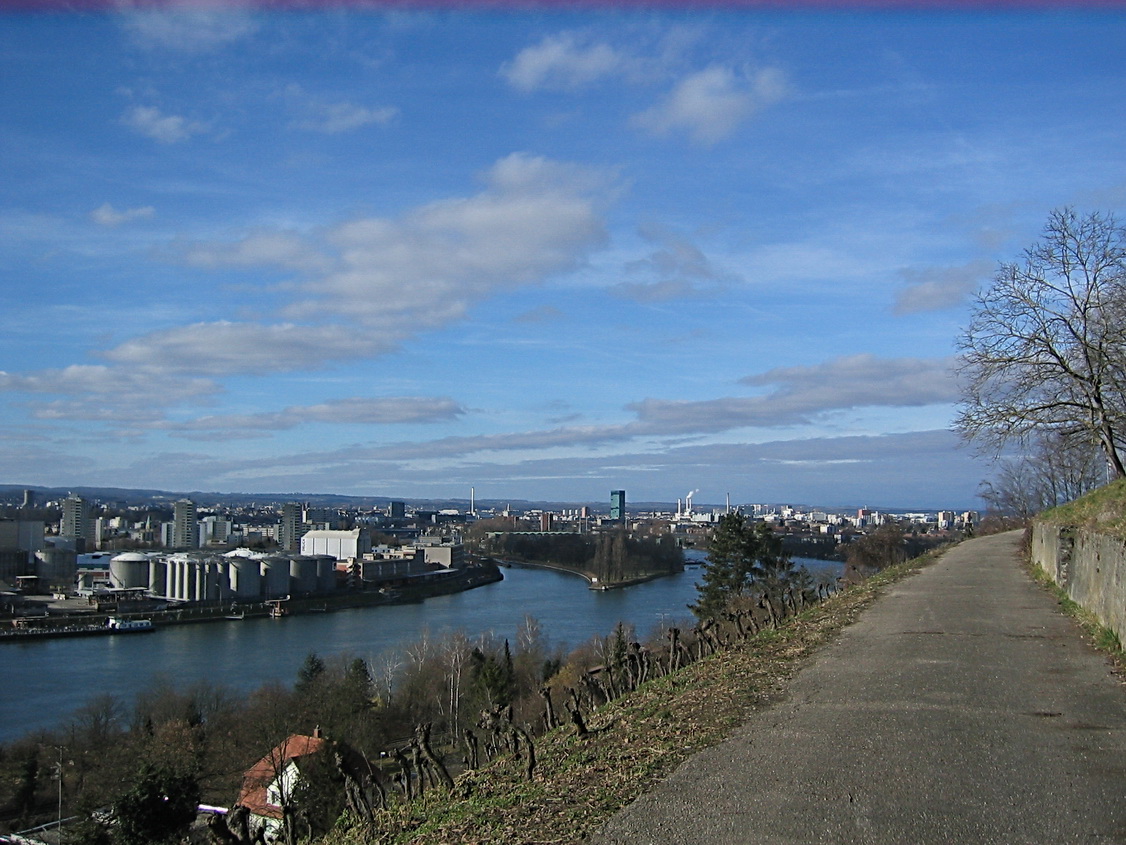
pixel 326 573
pixel 209 580
pixel 178 578
pixel 223 577
pixel 158 577
pixel 303 574
pixel 195 580
pixel 128 571
pixel 275 577
pixel 57 567
pixel 246 577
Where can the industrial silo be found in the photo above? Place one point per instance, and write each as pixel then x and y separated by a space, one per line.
pixel 275 577
pixel 158 576
pixel 245 575
pixel 303 574
pixel 57 567
pixel 129 571
pixel 326 573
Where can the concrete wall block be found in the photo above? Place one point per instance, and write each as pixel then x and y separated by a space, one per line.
pixel 1089 566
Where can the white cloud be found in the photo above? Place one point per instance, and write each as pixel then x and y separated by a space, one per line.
pixel 937 288
pixel 368 284
pixel 562 62
pixel 225 348
pixel 284 249
pixel 710 104
pixel 127 397
pixel 99 379
pixel 802 393
pixel 535 218
pixel 335 118
pixel 166 128
pixel 855 381
pixel 107 215
pixel 387 410
pixel 195 26
pixel 678 269
pixel 857 470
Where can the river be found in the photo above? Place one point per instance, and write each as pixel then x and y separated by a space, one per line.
pixel 43 682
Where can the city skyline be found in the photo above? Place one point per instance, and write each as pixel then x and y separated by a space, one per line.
pixel 543 254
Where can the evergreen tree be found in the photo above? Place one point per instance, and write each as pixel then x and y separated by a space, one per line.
pixel 309 673
pixel 159 806
pixel 741 554
pixel 494 678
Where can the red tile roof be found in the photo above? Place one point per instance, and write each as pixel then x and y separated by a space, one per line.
pixel 257 779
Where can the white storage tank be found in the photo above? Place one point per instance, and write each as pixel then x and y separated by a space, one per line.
pixel 158 576
pixel 326 573
pixel 275 577
pixel 245 577
pixel 303 574
pixel 56 567
pixel 128 571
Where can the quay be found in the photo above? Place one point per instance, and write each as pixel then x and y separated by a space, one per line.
pixel 64 622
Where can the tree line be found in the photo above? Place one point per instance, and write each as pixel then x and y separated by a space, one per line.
pixel 612 557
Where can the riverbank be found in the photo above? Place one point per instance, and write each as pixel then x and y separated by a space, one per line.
pixel 591 579
pixel 60 621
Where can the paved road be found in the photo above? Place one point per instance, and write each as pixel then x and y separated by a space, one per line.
pixel 961 708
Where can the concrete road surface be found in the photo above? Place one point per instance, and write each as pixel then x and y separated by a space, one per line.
pixel 962 708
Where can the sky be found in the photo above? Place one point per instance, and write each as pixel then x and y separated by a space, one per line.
pixel 541 254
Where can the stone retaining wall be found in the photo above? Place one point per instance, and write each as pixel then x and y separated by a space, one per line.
pixel 1090 566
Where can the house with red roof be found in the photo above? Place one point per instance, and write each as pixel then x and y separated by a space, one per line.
pixel 269 784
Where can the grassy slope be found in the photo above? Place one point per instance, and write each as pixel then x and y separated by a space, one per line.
pixel 1102 510
pixel 639 740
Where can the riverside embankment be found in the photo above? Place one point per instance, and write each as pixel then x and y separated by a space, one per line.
pixel 69 619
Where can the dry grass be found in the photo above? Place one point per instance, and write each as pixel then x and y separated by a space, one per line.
pixel 1102 510
pixel 637 741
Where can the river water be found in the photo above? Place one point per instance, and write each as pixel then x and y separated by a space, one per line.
pixel 44 681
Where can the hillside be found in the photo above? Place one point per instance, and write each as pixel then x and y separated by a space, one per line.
pixel 1103 510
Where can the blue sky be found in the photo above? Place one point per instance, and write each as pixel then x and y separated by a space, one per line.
pixel 542 254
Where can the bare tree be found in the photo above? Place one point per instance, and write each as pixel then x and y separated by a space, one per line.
pixel 1045 351
pixel 1058 470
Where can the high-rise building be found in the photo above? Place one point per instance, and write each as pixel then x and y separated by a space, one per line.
pixel 214 531
pixel 292 527
pixel 618 505
pixel 185 528
pixel 397 510
pixel 75 520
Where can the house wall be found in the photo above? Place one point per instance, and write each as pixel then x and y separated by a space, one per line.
pixel 1089 566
